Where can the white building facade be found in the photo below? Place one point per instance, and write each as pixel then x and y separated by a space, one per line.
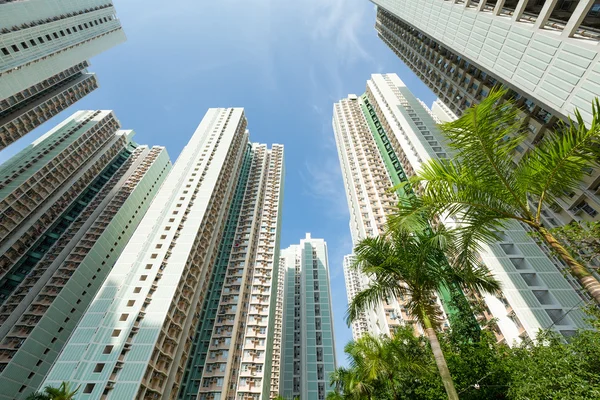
pixel 135 339
pixel 370 200
pixel 245 338
pixel 442 112
pixel 353 286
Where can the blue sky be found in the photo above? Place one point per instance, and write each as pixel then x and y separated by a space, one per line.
pixel 285 62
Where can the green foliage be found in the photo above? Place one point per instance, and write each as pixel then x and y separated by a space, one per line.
pixel 409 262
pixel 558 370
pixel 401 367
pixel 550 368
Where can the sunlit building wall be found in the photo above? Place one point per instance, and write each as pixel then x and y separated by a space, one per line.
pixel 147 321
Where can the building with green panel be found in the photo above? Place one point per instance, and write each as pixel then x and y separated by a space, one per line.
pixel 70 201
pixel 383 138
pixel 189 308
pixel 195 366
pixel 44 48
pixel 308 349
pixel 545 52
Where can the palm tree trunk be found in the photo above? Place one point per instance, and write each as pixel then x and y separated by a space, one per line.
pixel 587 280
pixel 440 360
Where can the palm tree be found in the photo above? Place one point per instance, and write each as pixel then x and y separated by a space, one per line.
pixel 376 363
pixel 411 264
pixel 483 188
pixel 349 384
pixel 63 392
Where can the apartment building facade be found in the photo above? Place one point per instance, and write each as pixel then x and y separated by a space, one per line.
pixel 143 331
pixel 70 204
pixel 536 292
pixel 367 183
pixel 308 347
pixel 237 356
pixel 544 52
pixel 27 109
pixel 44 48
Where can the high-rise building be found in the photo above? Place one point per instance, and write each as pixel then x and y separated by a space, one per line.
pixel 27 109
pixel 39 184
pixel 238 342
pixel 207 249
pixel 70 202
pixel 44 48
pixel 308 347
pixel 545 52
pixel 536 292
pixel 367 181
pixel 278 336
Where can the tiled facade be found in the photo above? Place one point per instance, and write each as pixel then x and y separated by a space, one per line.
pixel 536 293
pixel 278 335
pixel 54 268
pixel 541 51
pixel 44 45
pixel 308 356
pixel 40 183
pixel 145 332
pixel 193 375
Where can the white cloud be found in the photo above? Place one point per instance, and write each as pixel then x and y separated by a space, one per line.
pixel 343 21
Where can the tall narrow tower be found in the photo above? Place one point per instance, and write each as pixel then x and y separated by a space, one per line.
pixel 354 284
pixel 234 353
pixel 367 181
pixel 44 48
pixel 70 203
pixel 308 346
pixel 147 321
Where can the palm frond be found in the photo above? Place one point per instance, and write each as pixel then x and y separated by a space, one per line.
pixel 412 215
pixel 452 188
pixel 373 295
pixel 487 134
pixel 556 166
pixel 371 251
pixel 485 138
pixel 478 277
